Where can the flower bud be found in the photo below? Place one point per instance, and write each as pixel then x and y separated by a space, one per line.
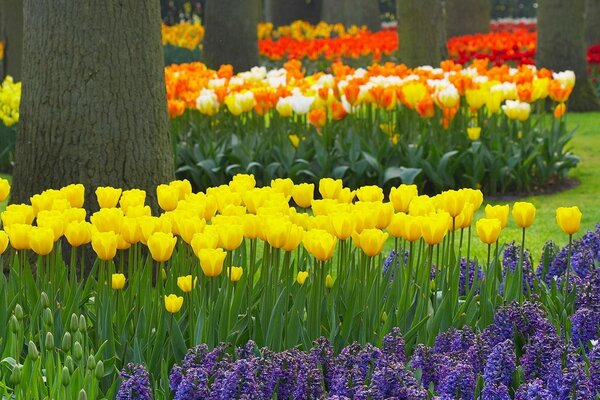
pixel 91 362
pixel 13 324
pixel 82 324
pixel 69 363
pixel 32 351
pixel 74 322
pixel 66 377
pixel 47 317
pixel 66 342
pixel 82 395
pixel 99 371
pixel 44 300
pixel 15 376
pixel 49 344
pixel 19 312
pixel 77 351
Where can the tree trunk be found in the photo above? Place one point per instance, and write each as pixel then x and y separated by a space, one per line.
pixel 466 17
pixel 592 22
pixel 13 35
pixel 560 46
pixel 421 32
pixel 2 39
pixel 284 12
pixel 230 36
pixel 352 12
pixel 93 107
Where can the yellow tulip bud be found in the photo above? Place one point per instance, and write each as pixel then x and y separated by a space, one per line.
pixel 301 278
pixel 235 273
pixel 108 197
pixel 211 261
pixel 184 187
pixel 371 241
pixel 474 132
pixel 369 193
pixel 118 281
pixel 303 194
pixel 161 246
pixel 329 281
pixel 173 303
pixel 41 240
pixel 569 219
pixel 108 219
pixel 342 225
pixel 104 245
pixel 132 197
pixel 242 183
pixel 167 196
pixel 330 188
pixel 500 212
pixel 294 238
pixel 284 186
pixel 320 244
pixel 488 230
pixel 186 284
pixel 434 228
pixel 523 213
pixel 230 236
pixel 209 239
pixel 130 230
pixel 78 233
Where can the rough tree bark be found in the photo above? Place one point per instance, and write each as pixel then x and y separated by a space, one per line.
pixel 284 12
pixel 13 37
pixel 93 107
pixel 466 17
pixel 352 12
pixel 230 36
pixel 561 46
pixel 592 22
pixel 422 32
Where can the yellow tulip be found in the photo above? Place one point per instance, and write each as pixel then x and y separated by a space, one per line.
pixel 346 196
pixel 122 244
pixel 330 188
pixel 211 261
pixel 473 196
pixel 75 194
pixel 329 281
pixel 294 238
pixel 303 194
pixel 184 187
pixel 301 278
pixel 104 245
pixel 396 226
pixel 474 132
pixel 132 197
pixel 138 211
pixel 167 196
pixel 384 213
pixel 371 241
pixel 235 273
pixel 74 214
pixel 188 227
pixel 569 219
pixel 173 303
pixel 523 213
pixel 186 284
pixel 323 207
pixel 20 213
pixel 130 230
pixel 18 235
pixel 284 186
pixel 342 225
pixel 465 218
pixel 78 233
pixel 488 230
pixel 421 206
pixel 242 183
pixel 108 197
pixel 3 241
pixel 453 202
pixel 370 193
pixel 108 219
pixel 118 281
pixel 251 224
pixel 4 189
pixel 41 240
pixel 434 228
pixel 209 239
pixel 320 244
pixel 500 212
pixel 43 201
pixel 230 236
pixel 161 246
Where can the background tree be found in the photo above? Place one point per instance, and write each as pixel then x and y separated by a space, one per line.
pixel 592 22
pixel 11 28
pixel 561 46
pixel 230 35
pixel 93 107
pixel 466 17
pixel 352 12
pixel 421 32
pixel 284 12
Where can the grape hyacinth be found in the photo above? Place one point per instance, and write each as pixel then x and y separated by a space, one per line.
pixel 136 384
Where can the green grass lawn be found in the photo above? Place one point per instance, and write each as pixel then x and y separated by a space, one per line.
pixel 586 144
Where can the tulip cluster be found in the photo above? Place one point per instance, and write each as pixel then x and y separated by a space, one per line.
pixel 10 98
pixel 185 34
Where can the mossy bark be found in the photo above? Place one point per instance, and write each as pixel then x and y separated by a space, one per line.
pixel 352 12
pixel 93 106
pixel 12 23
pixel 422 33
pixel 467 17
pixel 592 22
pixel 230 36
pixel 561 46
pixel 284 12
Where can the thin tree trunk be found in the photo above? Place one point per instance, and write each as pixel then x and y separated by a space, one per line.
pixel 352 12
pixel 466 17
pixel 13 35
pixel 560 46
pixel 592 22
pixel 421 32
pixel 93 106
pixel 284 12
pixel 230 36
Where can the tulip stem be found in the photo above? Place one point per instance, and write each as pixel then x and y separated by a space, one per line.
pixel 520 271
pixel 566 284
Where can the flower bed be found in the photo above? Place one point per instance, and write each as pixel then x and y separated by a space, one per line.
pixel 240 263
pixel 441 128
